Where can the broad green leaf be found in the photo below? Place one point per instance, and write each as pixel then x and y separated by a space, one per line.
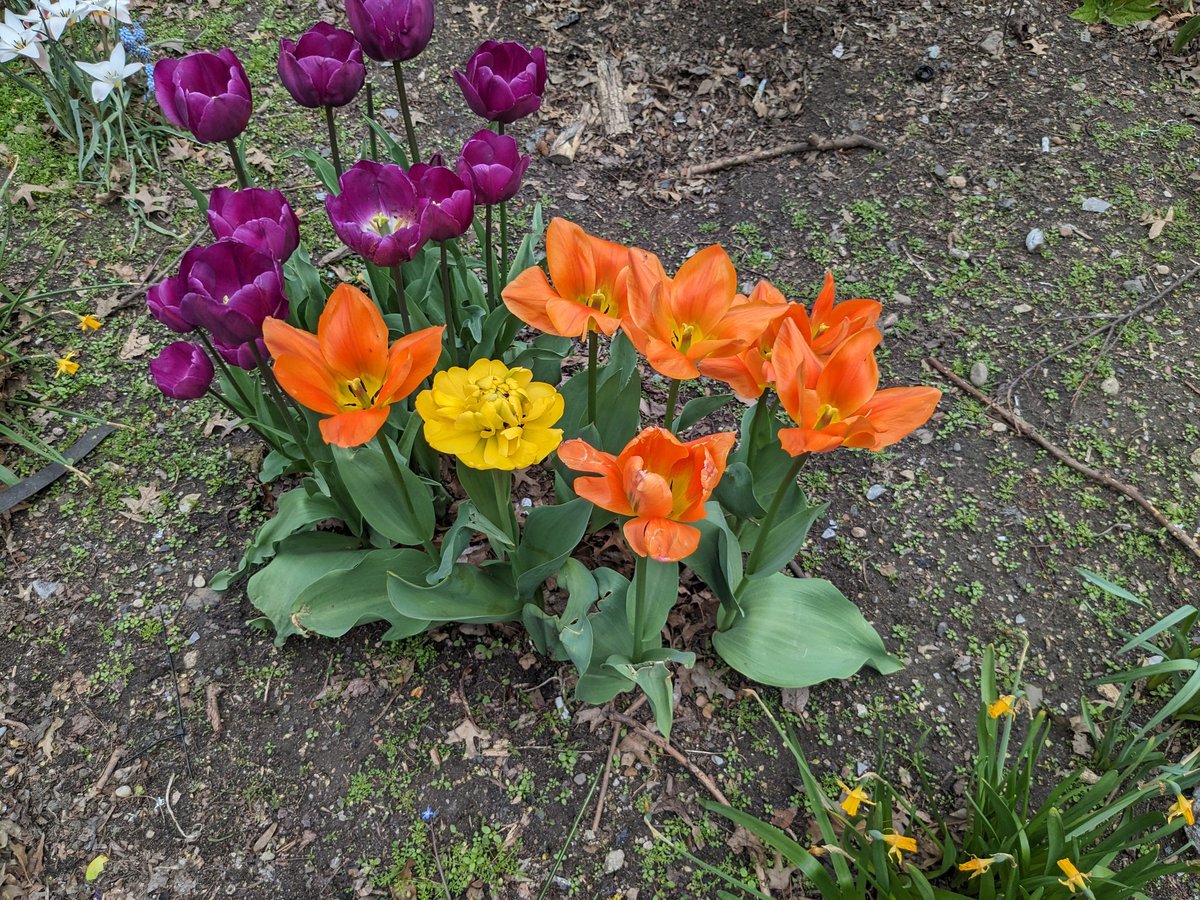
pixel 335 603
pixel 735 492
pixel 783 541
pixel 697 408
pixel 1188 32
pixel 718 559
pixel 655 681
pixel 550 535
pixel 299 561
pixel 393 500
pixel 297 510
pixel 524 257
pixel 469 594
pixel 305 290
pixel 797 632
pixel 491 492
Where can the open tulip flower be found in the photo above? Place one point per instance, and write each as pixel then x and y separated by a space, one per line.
pixel 658 480
pixel 230 288
pixel 346 371
pixel 676 322
pixel 378 213
pixel 206 93
pixel 843 407
pixel 255 216
pixel 589 293
pixel 504 80
pixel 449 201
pixel 829 324
pixel 491 416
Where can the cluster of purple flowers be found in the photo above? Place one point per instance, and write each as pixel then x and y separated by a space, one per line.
pixel 224 291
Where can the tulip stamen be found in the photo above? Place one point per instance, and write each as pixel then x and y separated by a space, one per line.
pixel 827 415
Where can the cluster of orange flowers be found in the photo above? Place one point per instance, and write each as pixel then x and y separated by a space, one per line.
pixel 821 363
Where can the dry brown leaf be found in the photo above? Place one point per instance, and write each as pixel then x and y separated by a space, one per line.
pixel 150 203
pixel 25 193
pixel 470 736
pixel 1158 220
pixel 135 345
pixel 1036 47
pixel 147 503
pixel 256 157
pixel 46 744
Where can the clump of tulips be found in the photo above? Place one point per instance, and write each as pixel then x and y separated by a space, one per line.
pixel 406 402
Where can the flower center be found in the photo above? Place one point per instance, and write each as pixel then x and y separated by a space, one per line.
pixel 358 395
pixel 682 337
pixel 602 302
pixel 383 224
pixel 827 415
pixel 820 330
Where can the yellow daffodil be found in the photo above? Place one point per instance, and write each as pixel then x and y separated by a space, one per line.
pixel 491 416
pixel 89 323
pixel 1182 807
pixel 854 798
pixel 898 845
pixel 66 364
pixel 1005 706
pixel 1075 878
pixel 976 866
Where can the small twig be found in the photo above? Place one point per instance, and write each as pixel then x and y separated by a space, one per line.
pixel 438 860
pixel 1024 429
pixel 108 770
pixel 814 143
pixel 612 749
pixel 708 783
pixel 167 802
pixel 1190 386
pixel 383 712
pixel 1123 317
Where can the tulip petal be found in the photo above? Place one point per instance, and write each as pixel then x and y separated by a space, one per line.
pixel 851 376
pixel 823 305
pixel 352 429
pixel 894 413
pixel 704 288
pixel 736 372
pixel 526 297
pixel 353 335
pixel 795 366
pixel 410 361
pixel 569 259
pixel 661 539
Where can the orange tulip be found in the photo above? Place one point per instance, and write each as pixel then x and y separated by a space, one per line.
pixel 589 290
pixel 346 370
pixel 676 322
pixel 750 372
pixel 657 479
pixel 829 325
pixel 843 405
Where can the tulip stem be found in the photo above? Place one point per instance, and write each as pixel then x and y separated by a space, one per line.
pixel 489 256
pixel 593 342
pixel 220 361
pixel 401 297
pixel 394 464
pixel 768 521
pixel 239 166
pixel 448 307
pixel 639 606
pixel 672 402
pixel 503 240
pixel 276 395
pixel 333 144
pixel 371 117
pixel 409 131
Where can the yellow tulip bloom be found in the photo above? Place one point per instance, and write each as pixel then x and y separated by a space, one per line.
pixel 1182 807
pixel 491 416
pixel 855 797
pixel 1075 878
pixel 1003 707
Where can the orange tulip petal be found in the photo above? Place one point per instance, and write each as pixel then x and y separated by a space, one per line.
pixel 823 305
pixel 796 368
pixel 661 539
pixel 605 492
pixel 569 259
pixel 570 319
pixel 283 339
pixel 526 297
pixel 736 372
pixel 804 440
pixel 353 335
pixel 665 359
pixel 583 457
pixel 649 492
pixel 351 429
pixel 646 282
pixel 704 288
pixel 851 376
pixel 410 361
pixel 766 293
pixel 895 413
pixel 612 269
pixel 312 386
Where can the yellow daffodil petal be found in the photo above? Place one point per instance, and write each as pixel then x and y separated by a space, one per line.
pixel 1002 707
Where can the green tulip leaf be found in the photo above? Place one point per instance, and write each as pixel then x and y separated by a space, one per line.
pixel 469 594
pixel 549 536
pixel 393 501
pixel 699 407
pixel 335 603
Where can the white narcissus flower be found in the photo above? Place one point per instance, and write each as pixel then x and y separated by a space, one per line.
pixel 19 39
pixel 108 73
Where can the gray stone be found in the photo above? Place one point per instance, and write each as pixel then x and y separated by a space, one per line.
pixel 614 861
pixel 1110 386
pixel 875 491
pixel 934 52
pixel 829 533
pixel 1095 204
pixel 979 374
pixel 1134 285
pixel 1035 240
pixel 993 43
pixel 959 253
pixel 46 589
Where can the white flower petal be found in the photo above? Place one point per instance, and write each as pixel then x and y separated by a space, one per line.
pixel 101 90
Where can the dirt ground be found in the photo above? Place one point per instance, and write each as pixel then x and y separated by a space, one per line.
pixel 142 718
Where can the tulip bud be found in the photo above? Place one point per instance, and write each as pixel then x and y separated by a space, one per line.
pixel 206 93
pixel 258 217
pixel 493 165
pixel 324 68
pixel 182 370
pixel 504 81
pixel 391 30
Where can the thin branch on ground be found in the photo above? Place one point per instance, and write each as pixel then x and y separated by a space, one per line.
pixel 1024 429
pixel 708 784
pixel 612 749
pixel 814 143
pixel 1119 320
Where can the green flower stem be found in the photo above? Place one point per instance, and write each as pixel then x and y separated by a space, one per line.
pixel 394 464
pixel 448 305
pixel 593 342
pixel 333 142
pixel 502 482
pixel 409 131
pixel 489 256
pixel 219 360
pixel 768 521
pixel 401 298
pixel 239 165
pixel 371 136
pixel 503 225
pixel 639 588
pixel 672 402
pixel 276 395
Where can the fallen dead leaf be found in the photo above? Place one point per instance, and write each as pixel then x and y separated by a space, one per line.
pixel 1158 220
pixel 470 736
pixel 135 345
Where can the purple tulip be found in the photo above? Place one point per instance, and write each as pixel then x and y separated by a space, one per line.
pixel 182 371
pixel 231 289
pixel 450 206
pixel 241 355
pixel 324 68
pixel 163 302
pixel 378 213
pixel 391 29
pixel 493 165
pixel 504 81
pixel 255 216
pixel 206 93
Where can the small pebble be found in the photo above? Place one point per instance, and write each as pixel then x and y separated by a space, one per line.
pixel 875 491
pixel 581 778
pixel 1019 619
pixel 1022 308
pixel 1035 240
pixel 858 531
pixel 614 861
pixel 123 792
pixel 1134 285
pixel 959 253
pixel 979 374
pixel 1110 386
pixel 934 52
pixel 956 181
pixel 1095 204
pixel 999 427
pixel 829 534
